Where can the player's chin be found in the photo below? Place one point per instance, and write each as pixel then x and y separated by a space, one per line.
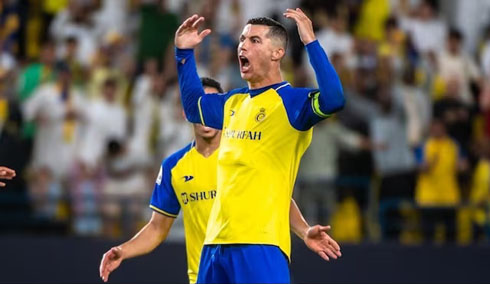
pixel 209 134
pixel 246 76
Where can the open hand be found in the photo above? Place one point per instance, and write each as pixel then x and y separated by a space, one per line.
pixel 305 26
pixel 187 35
pixel 110 262
pixel 320 242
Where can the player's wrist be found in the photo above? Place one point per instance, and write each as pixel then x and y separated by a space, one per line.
pixel 309 40
pixel 304 233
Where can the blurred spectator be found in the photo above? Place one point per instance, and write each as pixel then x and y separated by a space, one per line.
pixel 427 31
pixel 373 14
pixel 485 54
pixel 393 45
pixel 68 54
pixel 318 172
pixel 480 194
pixel 437 191
pixel 123 191
pixel 154 40
pixel 394 160
pixel 33 76
pixel 106 66
pixel 457 66
pixel 336 40
pixel 417 106
pixel 456 115
pixel 104 120
pixel 159 125
pixel 57 109
pixel 74 21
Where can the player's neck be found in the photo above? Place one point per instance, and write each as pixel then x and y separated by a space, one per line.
pixel 207 146
pixel 272 78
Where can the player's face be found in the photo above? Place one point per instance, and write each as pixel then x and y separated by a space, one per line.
pixel 204 131
pixel 255 53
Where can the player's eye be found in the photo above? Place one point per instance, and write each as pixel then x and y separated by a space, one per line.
pixel 242 38
pixel 255 40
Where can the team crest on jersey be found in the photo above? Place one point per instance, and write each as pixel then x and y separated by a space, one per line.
pixel 159 178
pixel 261 115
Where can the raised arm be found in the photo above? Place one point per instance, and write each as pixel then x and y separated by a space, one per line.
pixel 331 96
pixel 316 237
pixel 145 241
pixel 186 38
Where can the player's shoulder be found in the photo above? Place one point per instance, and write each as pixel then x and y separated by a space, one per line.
pixel 170 162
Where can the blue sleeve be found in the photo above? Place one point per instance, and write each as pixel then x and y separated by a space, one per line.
pixel 307 107
pixel 207 110
pixel 163 199
pixel 330 99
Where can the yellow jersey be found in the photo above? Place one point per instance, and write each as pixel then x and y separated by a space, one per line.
pixel 439 185
pixel 259 156
pixel 187 181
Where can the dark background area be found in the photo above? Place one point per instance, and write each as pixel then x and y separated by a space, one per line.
pixel 76 260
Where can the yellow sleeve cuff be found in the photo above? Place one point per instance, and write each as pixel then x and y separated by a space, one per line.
pixel 163 212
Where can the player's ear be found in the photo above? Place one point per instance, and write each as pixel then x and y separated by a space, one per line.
pixel 278 54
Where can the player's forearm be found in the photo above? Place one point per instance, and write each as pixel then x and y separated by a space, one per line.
pixel 190 85
pixel 297 222
pixel 145 241
pixel 331 98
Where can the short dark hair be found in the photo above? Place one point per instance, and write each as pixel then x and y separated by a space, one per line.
pixel 454 33
pixel 211 83
pixel 276 29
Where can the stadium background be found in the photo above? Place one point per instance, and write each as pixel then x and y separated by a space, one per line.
pixel 411 70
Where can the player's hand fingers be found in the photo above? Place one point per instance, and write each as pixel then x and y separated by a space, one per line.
pixel 187 23
pixel 196 23
pixel 325 228
pixel 291 16
pixel 300 16
pixel 102 266
pixel 204 33
pixel 331 241
pixel 300 12
pixel 327 246
pixel 330 253
pixel 323 255
pixel 105 261
pixel 2 184
pixel 335 245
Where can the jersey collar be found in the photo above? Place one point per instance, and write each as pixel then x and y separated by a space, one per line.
pixel 255 92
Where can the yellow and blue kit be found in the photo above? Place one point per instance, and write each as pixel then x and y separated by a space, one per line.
pixel 187 181
pixel 265 133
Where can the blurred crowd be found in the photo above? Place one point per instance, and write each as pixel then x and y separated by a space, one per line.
pixel 89 106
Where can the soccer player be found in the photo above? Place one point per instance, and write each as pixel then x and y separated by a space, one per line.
pixel 6 173
pixel 187 181
pixel 267 127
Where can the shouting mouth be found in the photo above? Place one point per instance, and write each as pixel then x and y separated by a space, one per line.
pixel 244 64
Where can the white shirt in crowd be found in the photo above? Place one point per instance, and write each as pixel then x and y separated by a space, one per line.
pixel 55 139
pixel 103 121
pixel 426 35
